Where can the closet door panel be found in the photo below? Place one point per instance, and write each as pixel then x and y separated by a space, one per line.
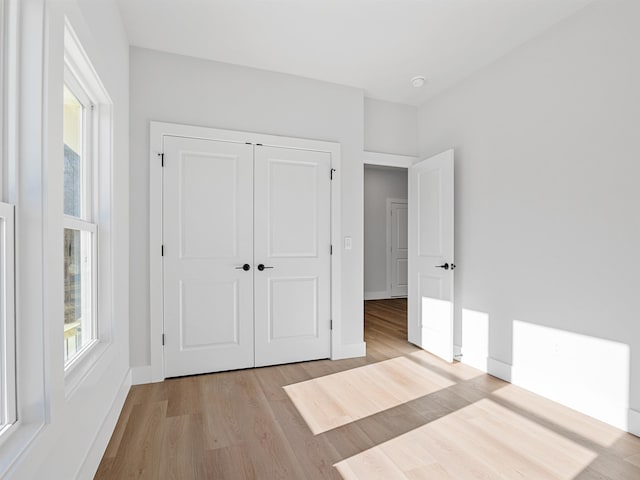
pixel 292 240
pixel 207 235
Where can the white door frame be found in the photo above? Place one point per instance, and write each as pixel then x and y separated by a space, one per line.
pixel 390 202
pixel 160 129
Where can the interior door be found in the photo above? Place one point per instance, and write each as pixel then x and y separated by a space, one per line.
pixel 430 305
pixel 292 243
pixel 207 238
pixel 398 216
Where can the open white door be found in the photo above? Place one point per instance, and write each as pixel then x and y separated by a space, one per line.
pixel 430 305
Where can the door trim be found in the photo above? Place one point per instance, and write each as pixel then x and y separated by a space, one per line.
pixel 390 202
pixel 158 130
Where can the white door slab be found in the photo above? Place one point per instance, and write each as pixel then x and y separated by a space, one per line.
pixel 292 240
pixel 398 248
pixel 207 236
pixel 430 304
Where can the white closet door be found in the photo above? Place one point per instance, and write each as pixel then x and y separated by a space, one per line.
pixel 292 241
pixel 207 236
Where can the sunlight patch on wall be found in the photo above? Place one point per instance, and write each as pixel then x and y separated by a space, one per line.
pixel 437 326
pixel 583 372
pixel 482 440
pixel 338 399
pixel 475 338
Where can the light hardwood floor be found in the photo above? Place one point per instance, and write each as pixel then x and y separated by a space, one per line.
pixel 399 413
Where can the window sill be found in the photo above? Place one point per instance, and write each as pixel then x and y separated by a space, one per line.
pixel 82 365
pixel 15 440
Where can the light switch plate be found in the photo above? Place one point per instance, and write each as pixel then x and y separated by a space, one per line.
pixel 347 243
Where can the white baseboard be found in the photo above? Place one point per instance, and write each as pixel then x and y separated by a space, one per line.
pixel 376 295
pixel 634 422
pixel 92 460
pixel 350 350
pixel 141 375
pixel 499 369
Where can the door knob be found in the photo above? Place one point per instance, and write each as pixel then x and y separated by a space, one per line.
pixel 246 267
pixel 261 267
pixel 444 265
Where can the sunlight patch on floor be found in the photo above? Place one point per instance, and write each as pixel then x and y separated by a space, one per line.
pixel 338 399
pixel 482 440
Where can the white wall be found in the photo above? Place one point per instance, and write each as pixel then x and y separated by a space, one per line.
pixel 63 431
pixel 179 89
pixel 390 127
pixel 380 183
pixel 547 224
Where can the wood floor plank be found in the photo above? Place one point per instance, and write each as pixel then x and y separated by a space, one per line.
pixel 398 413
pixel 137 456
pixel 230 462
pixel 183 447
pixel 183 396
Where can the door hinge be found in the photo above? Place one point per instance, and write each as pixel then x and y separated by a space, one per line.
pixel 331 173
pixel 161 155
pixel 330 249
pixel 162 250
pixel 330 324
pixel 163 339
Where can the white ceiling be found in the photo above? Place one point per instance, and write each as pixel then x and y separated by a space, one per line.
pixel 376 45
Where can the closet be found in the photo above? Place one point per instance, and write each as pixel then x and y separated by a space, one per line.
pixel 246 265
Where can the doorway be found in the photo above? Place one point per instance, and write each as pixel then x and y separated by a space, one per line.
pixel 385 244
pixel 385 232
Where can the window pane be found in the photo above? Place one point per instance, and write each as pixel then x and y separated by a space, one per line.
pixel 73 144
pixel 78 280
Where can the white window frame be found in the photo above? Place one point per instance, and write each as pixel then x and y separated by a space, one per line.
pixel 85 223
pixel 8 360
pixel 3 91
pixel 8 393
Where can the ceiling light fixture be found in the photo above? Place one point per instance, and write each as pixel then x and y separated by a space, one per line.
pixel 418 81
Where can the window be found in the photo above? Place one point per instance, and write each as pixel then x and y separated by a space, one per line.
pixel 86 161
pixel 80 229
